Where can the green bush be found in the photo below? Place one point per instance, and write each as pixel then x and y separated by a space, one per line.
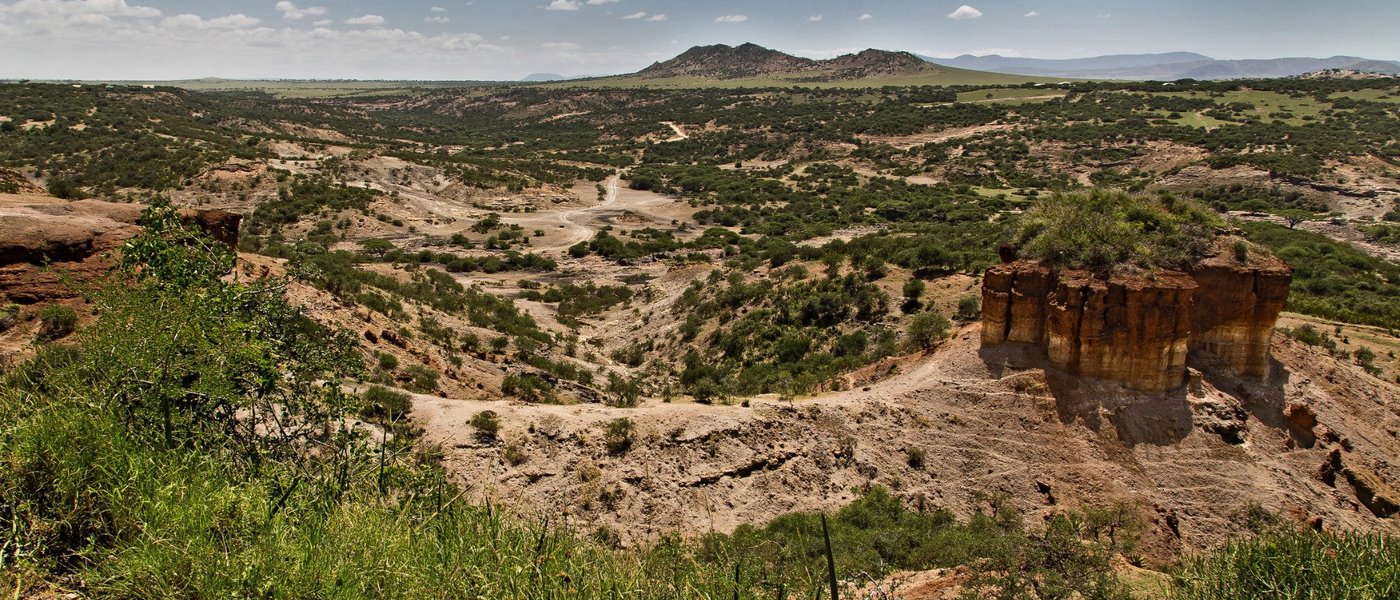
pixel 1103 228
pixel 927 329
pixel 486 424
pixel 617 435
pixel 387 361
pixel 384 404
pixel 970 307
pixel 56 321
pixel 421 379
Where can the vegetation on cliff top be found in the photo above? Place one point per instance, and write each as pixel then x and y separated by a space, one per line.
pixel 1105 228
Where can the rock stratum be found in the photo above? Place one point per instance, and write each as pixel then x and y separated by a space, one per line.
pixel 1140 328
pixel 47 242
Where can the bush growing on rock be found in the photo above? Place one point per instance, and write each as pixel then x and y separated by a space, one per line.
pixel 486 424
pixel 1103 228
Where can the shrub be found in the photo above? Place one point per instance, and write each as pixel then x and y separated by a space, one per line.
pixel 514 455
pixel 384 403
pixel 421 379
pixel 913 291
pixel 617 435
pixel 970 307
pixel 486 423
pixel 1241 250
pixel 528 387
pixel 56 321
pixel 916 457
pixel 387 362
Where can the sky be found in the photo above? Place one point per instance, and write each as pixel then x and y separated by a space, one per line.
pixel 509 39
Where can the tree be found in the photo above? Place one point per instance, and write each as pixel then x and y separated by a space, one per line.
pixel 1295 216
pixel 927 329
pixel 377 246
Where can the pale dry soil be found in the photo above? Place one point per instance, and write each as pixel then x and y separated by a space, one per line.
pixel 992 424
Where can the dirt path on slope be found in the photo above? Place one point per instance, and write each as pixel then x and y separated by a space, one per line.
pixel 680 133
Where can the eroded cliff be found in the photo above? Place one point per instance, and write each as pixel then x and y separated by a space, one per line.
pixel 1139 328
pixel 47 243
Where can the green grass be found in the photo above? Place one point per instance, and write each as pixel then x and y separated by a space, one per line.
pixel 1200 120
pixel 1376 95
pixel 1266 104
pixel 1296 564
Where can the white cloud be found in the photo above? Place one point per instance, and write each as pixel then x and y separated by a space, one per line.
pixel 657 17
pixel 323 22
pixel 559 46
pixel 234 21
pixel 366 20
pixel 66 8
pixel 965 12
pixel 815 18
pixel 1105 16
pixel 563 5
pixel 866 17
pixel 437 9
pixel 292 12
pixel 635 15
pixel 1034 13
pixel 731 19
pixel 437 19
pixel 599 2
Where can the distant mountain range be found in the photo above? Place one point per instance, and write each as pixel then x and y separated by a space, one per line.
pixel 751 64
pixel 1164 67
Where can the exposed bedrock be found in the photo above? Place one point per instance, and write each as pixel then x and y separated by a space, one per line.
pixel 1139 328
pixel 46 242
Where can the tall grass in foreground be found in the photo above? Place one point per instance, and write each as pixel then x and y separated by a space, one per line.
pixel 1296 564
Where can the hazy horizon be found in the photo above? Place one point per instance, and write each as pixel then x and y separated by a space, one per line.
pixel 503 41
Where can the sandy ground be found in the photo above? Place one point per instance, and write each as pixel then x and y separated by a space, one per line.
pixel 991 424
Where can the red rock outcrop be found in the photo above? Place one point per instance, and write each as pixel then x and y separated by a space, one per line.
pixel 45 241
pixel 1140 328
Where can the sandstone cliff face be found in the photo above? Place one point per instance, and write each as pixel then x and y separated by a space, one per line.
pixel 1236 310
pixel 1138 329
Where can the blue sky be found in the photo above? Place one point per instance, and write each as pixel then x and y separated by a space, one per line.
pixel 507 39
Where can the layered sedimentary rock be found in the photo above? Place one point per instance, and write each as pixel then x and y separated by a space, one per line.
pixel 1236 313
pixel 46 241
pixel 1139 329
